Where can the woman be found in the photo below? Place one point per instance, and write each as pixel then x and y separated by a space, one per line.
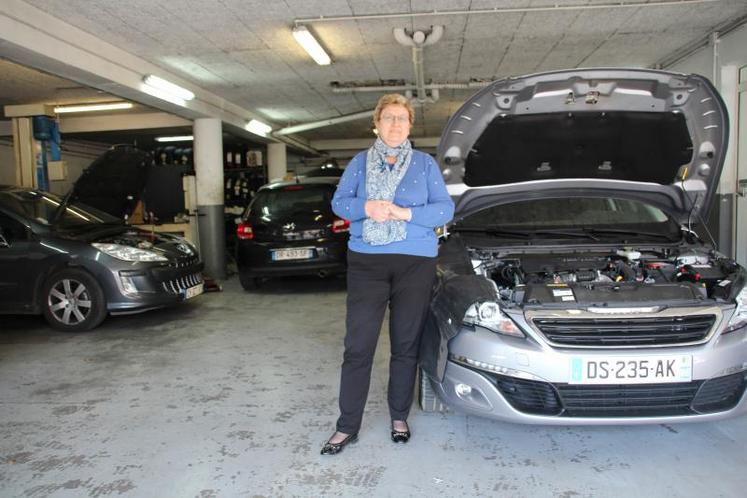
pixel 394 197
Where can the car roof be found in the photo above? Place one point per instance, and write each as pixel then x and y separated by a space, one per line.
pixel 317 180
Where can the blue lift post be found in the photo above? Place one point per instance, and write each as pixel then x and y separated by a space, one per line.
pixel 45 130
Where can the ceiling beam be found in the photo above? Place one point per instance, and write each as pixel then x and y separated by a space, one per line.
pixel 34 38
pixel 86 124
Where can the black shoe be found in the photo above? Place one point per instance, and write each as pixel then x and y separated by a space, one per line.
pixel 400 436
pixel 335 448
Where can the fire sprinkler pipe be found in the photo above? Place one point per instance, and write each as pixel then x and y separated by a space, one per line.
pixel 504 10
pixel 401 88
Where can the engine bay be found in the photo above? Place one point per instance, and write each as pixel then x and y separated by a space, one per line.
pixel 622 275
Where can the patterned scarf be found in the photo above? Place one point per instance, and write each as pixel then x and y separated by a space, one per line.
pixel 381 184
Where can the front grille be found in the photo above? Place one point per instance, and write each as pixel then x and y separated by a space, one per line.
pixel 528 396
pixel 180 284
pixel 644 400
pixel 614 332
pixel 721 393
pixel 184 262
pixel 628 400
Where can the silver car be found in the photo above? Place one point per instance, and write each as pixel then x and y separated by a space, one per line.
pixel 578 283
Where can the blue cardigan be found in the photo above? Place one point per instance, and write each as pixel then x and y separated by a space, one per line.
pixel 422 190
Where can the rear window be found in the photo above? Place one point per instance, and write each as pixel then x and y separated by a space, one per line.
pixel 292 199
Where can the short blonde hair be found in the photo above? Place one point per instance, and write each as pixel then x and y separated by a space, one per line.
pixel 393 99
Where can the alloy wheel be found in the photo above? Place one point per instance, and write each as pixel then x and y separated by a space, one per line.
pixel 69 301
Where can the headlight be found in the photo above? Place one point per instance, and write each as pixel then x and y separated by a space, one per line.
pixel 127 253
pixel 739 319
pixel 489 315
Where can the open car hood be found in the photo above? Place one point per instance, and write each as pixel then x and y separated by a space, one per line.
pixel 654 136
pixel 114 181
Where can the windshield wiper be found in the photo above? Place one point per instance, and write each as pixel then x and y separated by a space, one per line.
pixel 491 231
pixel 636 233
pixel 527 233
pixel 58 213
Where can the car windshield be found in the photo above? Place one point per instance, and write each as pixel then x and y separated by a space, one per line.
pixel 590 215
pixel 292 199
pixel 42 206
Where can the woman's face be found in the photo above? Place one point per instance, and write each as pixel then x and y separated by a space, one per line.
pixel 393 124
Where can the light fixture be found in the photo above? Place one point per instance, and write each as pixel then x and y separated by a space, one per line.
pixel 304 38
pixel 110 106
pixel 160 94
pixel 168 87
pixel 177 138
pixel 258 127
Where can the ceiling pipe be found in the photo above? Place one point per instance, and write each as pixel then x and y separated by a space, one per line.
pixel 433 87
pixel 297 144
pixel 324 122
pixel 504 10
pixel 417 40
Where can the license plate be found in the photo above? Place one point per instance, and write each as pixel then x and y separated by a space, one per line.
pixel 631 370
pixel 191 292
pixel 285 254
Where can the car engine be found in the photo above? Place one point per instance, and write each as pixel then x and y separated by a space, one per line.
pixel 624 275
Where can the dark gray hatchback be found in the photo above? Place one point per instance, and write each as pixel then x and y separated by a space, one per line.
pixel 75 264
pixel 289 229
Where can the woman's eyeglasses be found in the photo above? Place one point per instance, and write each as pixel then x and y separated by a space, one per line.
pixel 391 119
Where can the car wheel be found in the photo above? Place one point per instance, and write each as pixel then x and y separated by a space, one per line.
pixel 427 398
pixel 73 301
pixel 249 283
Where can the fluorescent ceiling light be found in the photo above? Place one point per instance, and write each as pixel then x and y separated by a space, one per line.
pixel 304 38
pixel 111 106
pixel 179 138
pixel 258 127
pixel 168 87
pixel 160 94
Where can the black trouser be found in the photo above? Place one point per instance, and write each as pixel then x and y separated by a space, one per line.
pixel 374 280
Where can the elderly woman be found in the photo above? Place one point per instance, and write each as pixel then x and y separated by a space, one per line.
pixel 394 197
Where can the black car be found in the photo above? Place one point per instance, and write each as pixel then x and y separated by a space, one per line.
pixel 75 264
pixel 289 229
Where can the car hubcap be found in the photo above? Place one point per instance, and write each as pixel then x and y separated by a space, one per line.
pixel 69 301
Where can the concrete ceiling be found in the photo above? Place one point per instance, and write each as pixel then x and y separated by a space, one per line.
pixel 243 50
pixel 23 85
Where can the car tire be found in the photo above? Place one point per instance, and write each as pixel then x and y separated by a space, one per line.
pixel 73 301
pixel 427 398
pixel 249 283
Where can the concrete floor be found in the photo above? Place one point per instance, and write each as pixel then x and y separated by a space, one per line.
pixel 234 393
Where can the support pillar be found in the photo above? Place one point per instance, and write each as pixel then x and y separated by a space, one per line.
pixel 24 150
pixel 208 157
pixel 277 162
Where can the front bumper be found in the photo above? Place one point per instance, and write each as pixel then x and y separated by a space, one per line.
pixel 529 383
pixel 157 287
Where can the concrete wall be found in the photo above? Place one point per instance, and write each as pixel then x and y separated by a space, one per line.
pixel 7 163
pixel 732 51
pixel 77 159
pixel 728 220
